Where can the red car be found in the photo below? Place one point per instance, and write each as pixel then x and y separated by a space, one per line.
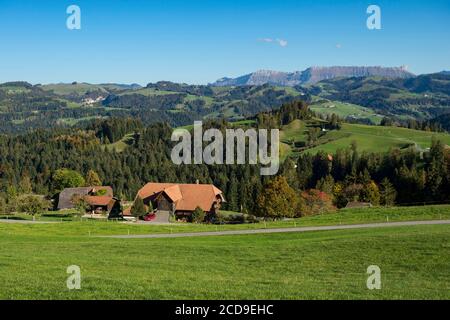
pixel 150 217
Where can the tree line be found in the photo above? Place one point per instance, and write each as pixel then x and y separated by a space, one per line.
pixel 30 163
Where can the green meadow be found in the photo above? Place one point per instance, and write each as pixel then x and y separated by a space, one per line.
pixel 66 225
pixel 316 265
pixel 313 265
pixel 345 110
pixel 368 138
pixel 378 139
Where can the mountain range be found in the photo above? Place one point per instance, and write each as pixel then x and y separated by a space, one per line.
pixel 312 75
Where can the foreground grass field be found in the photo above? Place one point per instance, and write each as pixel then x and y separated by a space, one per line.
pixel 316 265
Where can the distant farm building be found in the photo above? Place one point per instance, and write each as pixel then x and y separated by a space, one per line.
pixel 357 204
pixel 100 199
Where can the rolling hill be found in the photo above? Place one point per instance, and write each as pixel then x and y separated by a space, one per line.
pixel 368 138
pixel 421 97
pixel 358 99
pixel 24 106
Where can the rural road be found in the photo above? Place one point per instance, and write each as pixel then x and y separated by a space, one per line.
pixel 281 230
pixel 26 221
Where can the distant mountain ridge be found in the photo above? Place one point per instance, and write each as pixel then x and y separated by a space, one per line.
pixel 312 75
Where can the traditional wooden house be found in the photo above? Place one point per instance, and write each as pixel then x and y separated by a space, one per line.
pixel 104 205
pixel 181 199
pixel 98 197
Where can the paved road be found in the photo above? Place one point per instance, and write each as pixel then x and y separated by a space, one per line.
pixel 26 221
pixel 282 230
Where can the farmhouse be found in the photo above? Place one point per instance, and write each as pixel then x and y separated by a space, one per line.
pixel 100 198
pixel 181 199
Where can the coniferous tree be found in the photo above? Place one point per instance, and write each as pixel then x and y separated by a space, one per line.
pixel 387 193
pixel 138 209
pixel 92 179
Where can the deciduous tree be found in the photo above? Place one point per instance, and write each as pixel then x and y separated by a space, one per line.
pixel 277 200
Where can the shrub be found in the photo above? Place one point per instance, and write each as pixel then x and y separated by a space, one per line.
pixel 101 192
pixel 33 205
pixel 316 202
pixel 198 216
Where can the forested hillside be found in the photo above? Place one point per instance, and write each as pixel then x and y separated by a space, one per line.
pixel 421 97
pixel 24 106
pixel 29 161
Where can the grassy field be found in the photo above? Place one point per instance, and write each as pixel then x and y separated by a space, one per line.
pixel 316 265
pixel 78 227
pixel 122 144
pixel 345 110
pixel 66 88
pixel 368 138
pixel 378 139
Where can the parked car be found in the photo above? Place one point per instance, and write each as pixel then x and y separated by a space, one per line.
pixel 150 217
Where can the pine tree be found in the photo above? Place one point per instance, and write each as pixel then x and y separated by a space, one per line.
pixel 92 179
pixel 387 193
pixel 138 208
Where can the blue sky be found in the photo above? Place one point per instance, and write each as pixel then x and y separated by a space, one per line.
pixel 199 41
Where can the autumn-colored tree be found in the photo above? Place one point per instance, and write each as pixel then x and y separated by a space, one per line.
pixel 316 202
pixel 277 200
pixel 340 200
pixel 370 193
pixel 93 179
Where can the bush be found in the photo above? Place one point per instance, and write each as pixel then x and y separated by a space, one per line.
pixel 198 216
pixel 236 218
pixel 33 205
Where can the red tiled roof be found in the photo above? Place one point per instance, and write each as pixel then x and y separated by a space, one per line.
pixel 185 196
pixel 98 200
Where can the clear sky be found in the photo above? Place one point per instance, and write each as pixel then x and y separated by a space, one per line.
pixel 199 41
